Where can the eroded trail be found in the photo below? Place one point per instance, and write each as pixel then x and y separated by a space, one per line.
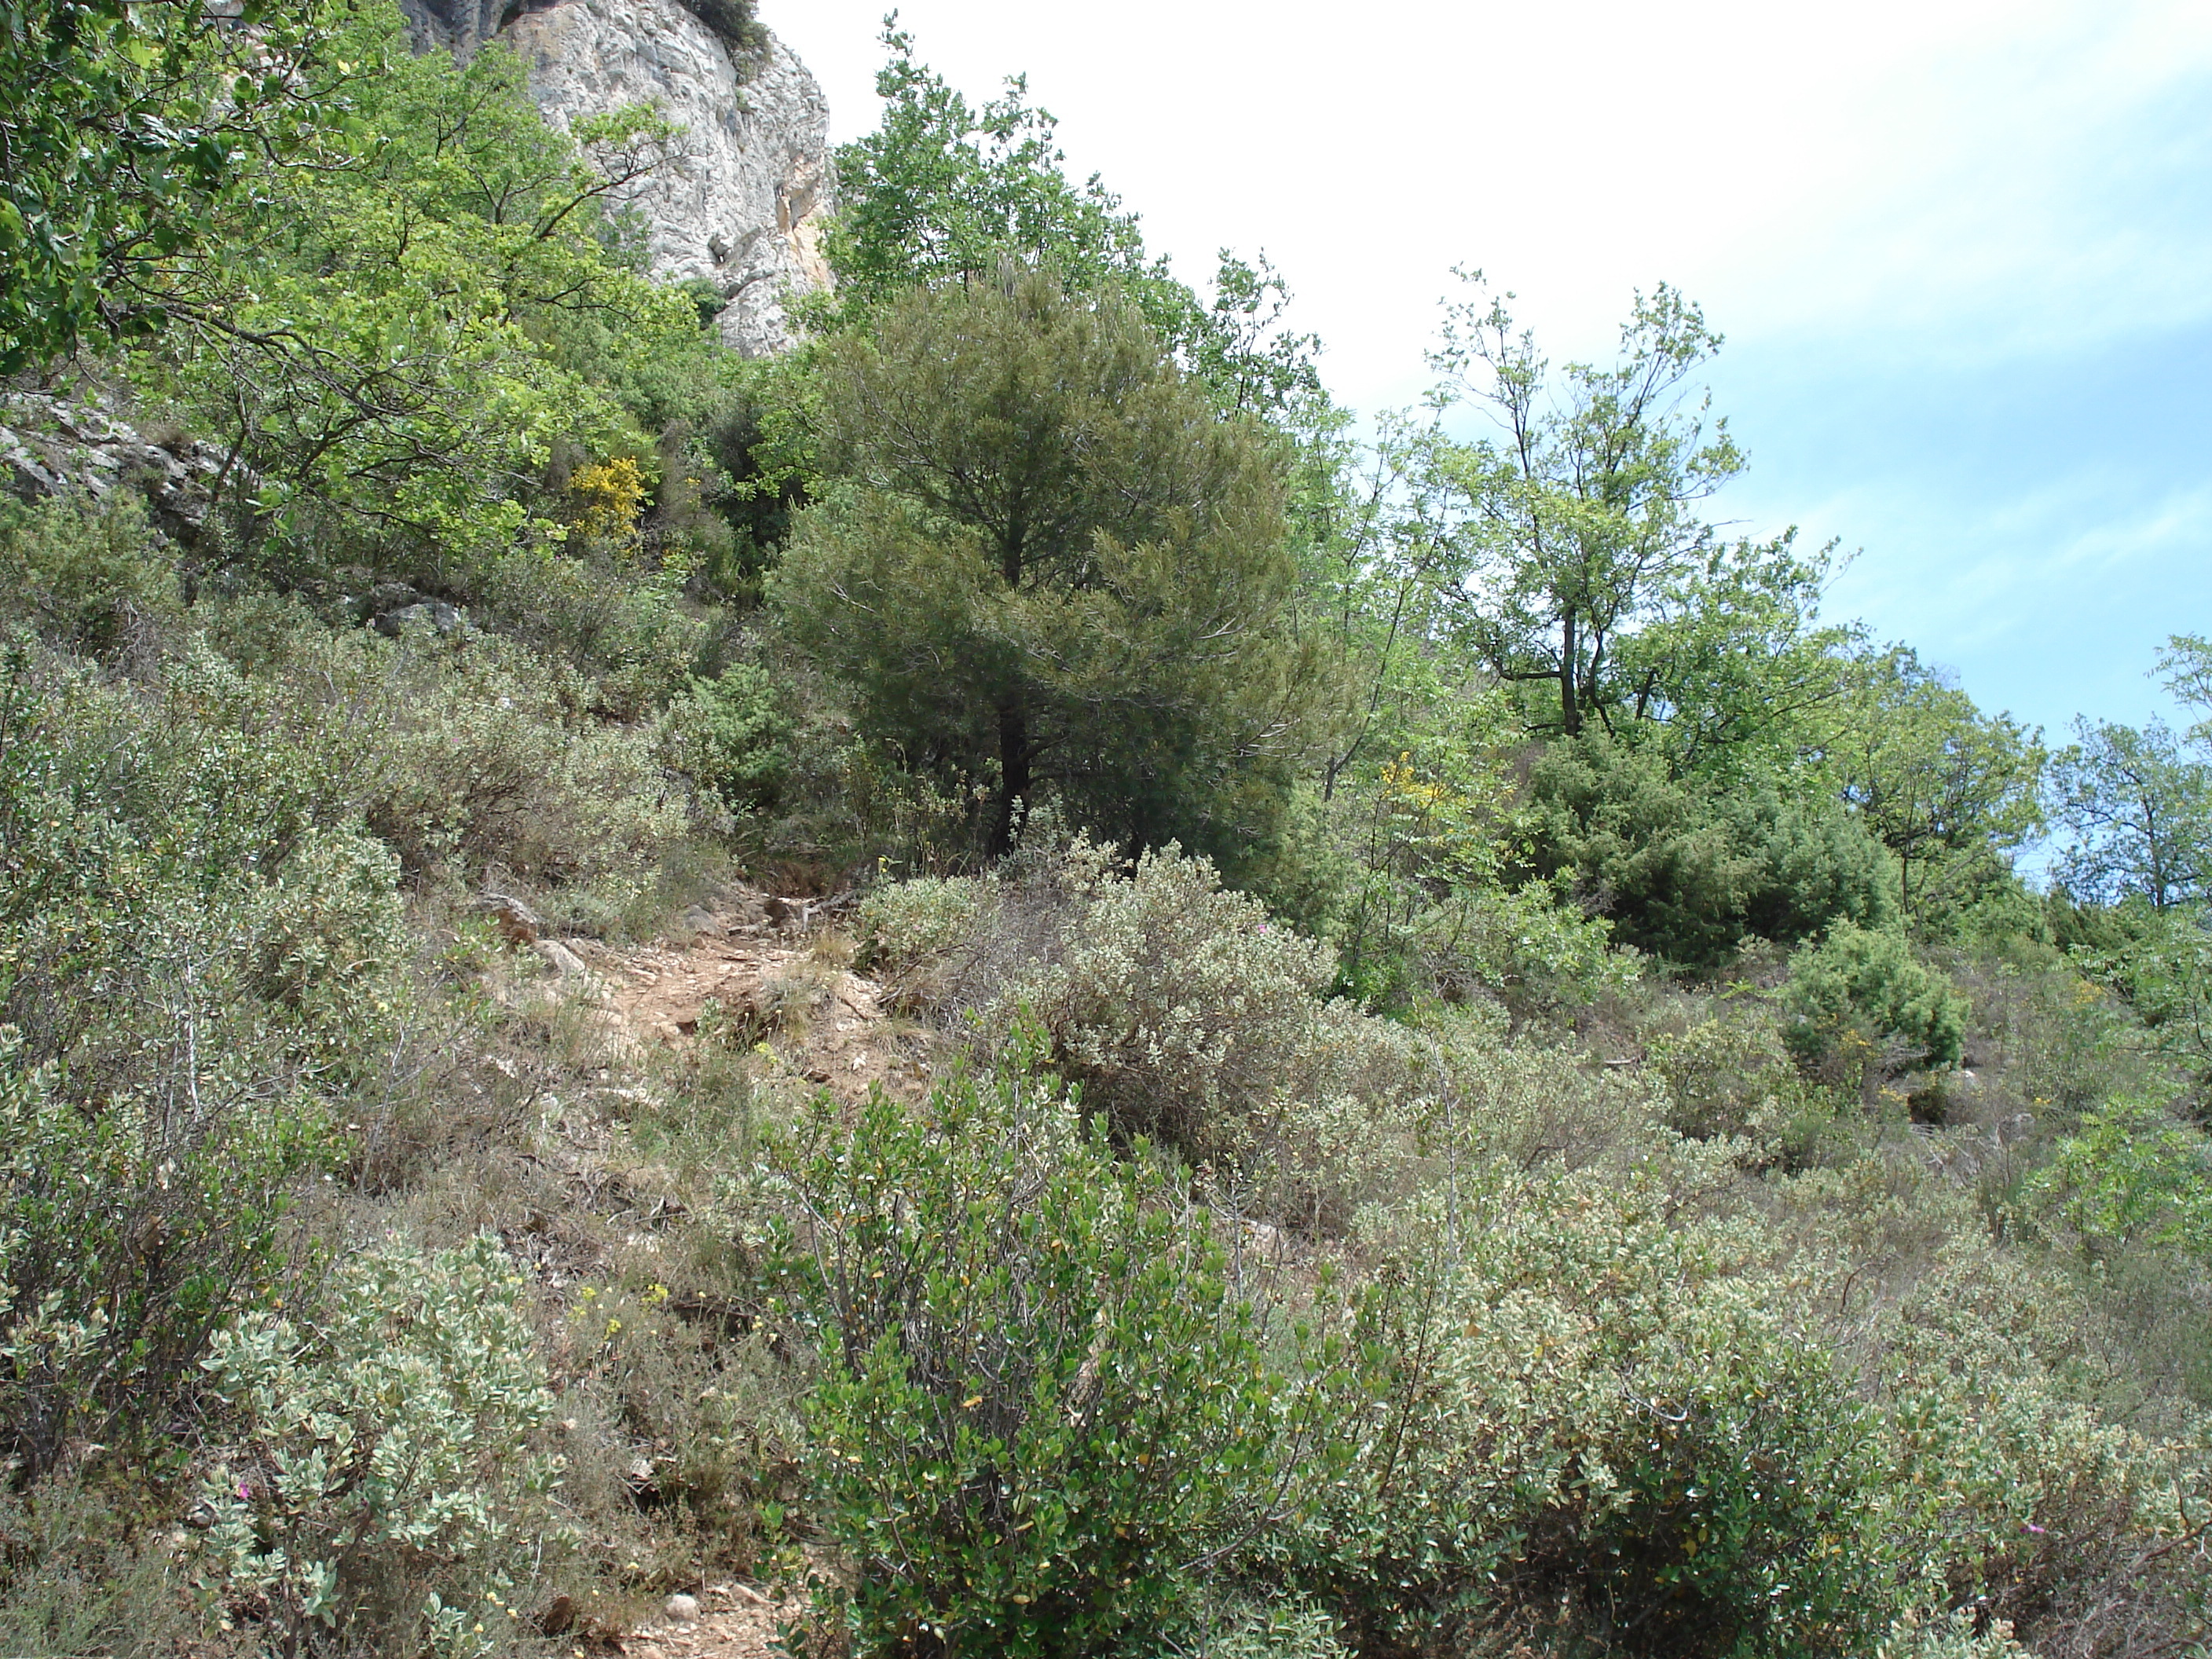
pixel 756 968
pixel 733 1622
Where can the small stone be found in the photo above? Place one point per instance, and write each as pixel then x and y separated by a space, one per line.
pixel 521 924
pixel 681 1609
pixel 561 959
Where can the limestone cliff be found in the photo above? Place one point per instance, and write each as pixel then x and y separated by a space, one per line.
pixel 742 204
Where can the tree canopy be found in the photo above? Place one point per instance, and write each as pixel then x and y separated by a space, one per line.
pixel 1052 561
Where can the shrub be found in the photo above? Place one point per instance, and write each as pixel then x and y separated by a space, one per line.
pixel 1961 1635
pixel 1220 1626
pixel 1686 875
pixel 330 940
pixel 907 923
pixel 1186 1013
pixel 2132 1175
pixel 1871 982
pixel 83 570
pixel 732 736
pixel 1529 943
pixel 1582 1417
pixel 628 638
pixel 732 22
pixel 2010 1488
pixel 913 934
pixel 80 1575
pixel 388 1484
pixel 1039 1400
pixel 194 965
pixel 1733 1079
pixel 492 761
pixel 132 1231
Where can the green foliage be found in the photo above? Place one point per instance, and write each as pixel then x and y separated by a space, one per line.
pixel 2139 811
pixel 942 190
pixel 127 128
pixel 1684 874
pixel 2008 1488
pixel 387 1486
pixel 1958 1636
pixel 132 1232
pixel 2161 962
pixel 84 572
pixel 1187 1015
pixel 733 22
pixel 1733 1077
pixel 1580 1415
pixel 1854 979
pixel 78 1576
pixel 489 758
pixel 1583 509
pixel 731 735
pixel 1220 1627
pixel 411 326
pixel 1041 1406
pixel 1948 790
pixel 905 929
pixel 1053 570
pixel 624 630
pixel 2133 1176
pixel 1424 910
pixel 196 953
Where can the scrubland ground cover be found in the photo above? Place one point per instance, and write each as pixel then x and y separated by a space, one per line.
pixel 1493 1088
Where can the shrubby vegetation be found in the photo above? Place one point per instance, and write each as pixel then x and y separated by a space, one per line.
pixel 1484 1080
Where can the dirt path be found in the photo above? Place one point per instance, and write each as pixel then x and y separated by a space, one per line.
pixel 735 1621
pixel 757 969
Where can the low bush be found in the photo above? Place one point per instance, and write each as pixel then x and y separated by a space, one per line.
pixel 1733 1078
pixel 1188 1015
pixel 194 969
pixel 628 637
pixel 1872 983
pixel 1962 1635
pixel 732 736
pixel 84 572
pixel 2011 1486
pixel 494 761
pixel 2134 1176
pixel 81 1571
pixel 1039 1401
pixel 912 935
pixel 1586 1417
pixel 388 1487
pixel 1529 945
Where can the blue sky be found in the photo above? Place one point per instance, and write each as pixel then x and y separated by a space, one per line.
pixel 1962 251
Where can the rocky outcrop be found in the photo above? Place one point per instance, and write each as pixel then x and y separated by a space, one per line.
pixel 742 204
pixel 54 446
pixel 457 26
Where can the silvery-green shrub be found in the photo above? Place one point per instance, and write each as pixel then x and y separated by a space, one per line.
pixel 388 1475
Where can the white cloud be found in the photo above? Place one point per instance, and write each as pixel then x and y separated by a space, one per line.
pixel 1958 244
pixel 1921 166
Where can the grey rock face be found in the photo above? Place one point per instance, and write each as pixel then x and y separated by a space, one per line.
pixel 458 26
pixel 742 205
pixel 51 446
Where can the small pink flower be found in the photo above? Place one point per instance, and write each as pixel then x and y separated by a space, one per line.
pixel 244 1492
pixel 2030 1525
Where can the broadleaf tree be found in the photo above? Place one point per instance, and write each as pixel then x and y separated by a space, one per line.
pixel 123 130
pixel 1580 512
